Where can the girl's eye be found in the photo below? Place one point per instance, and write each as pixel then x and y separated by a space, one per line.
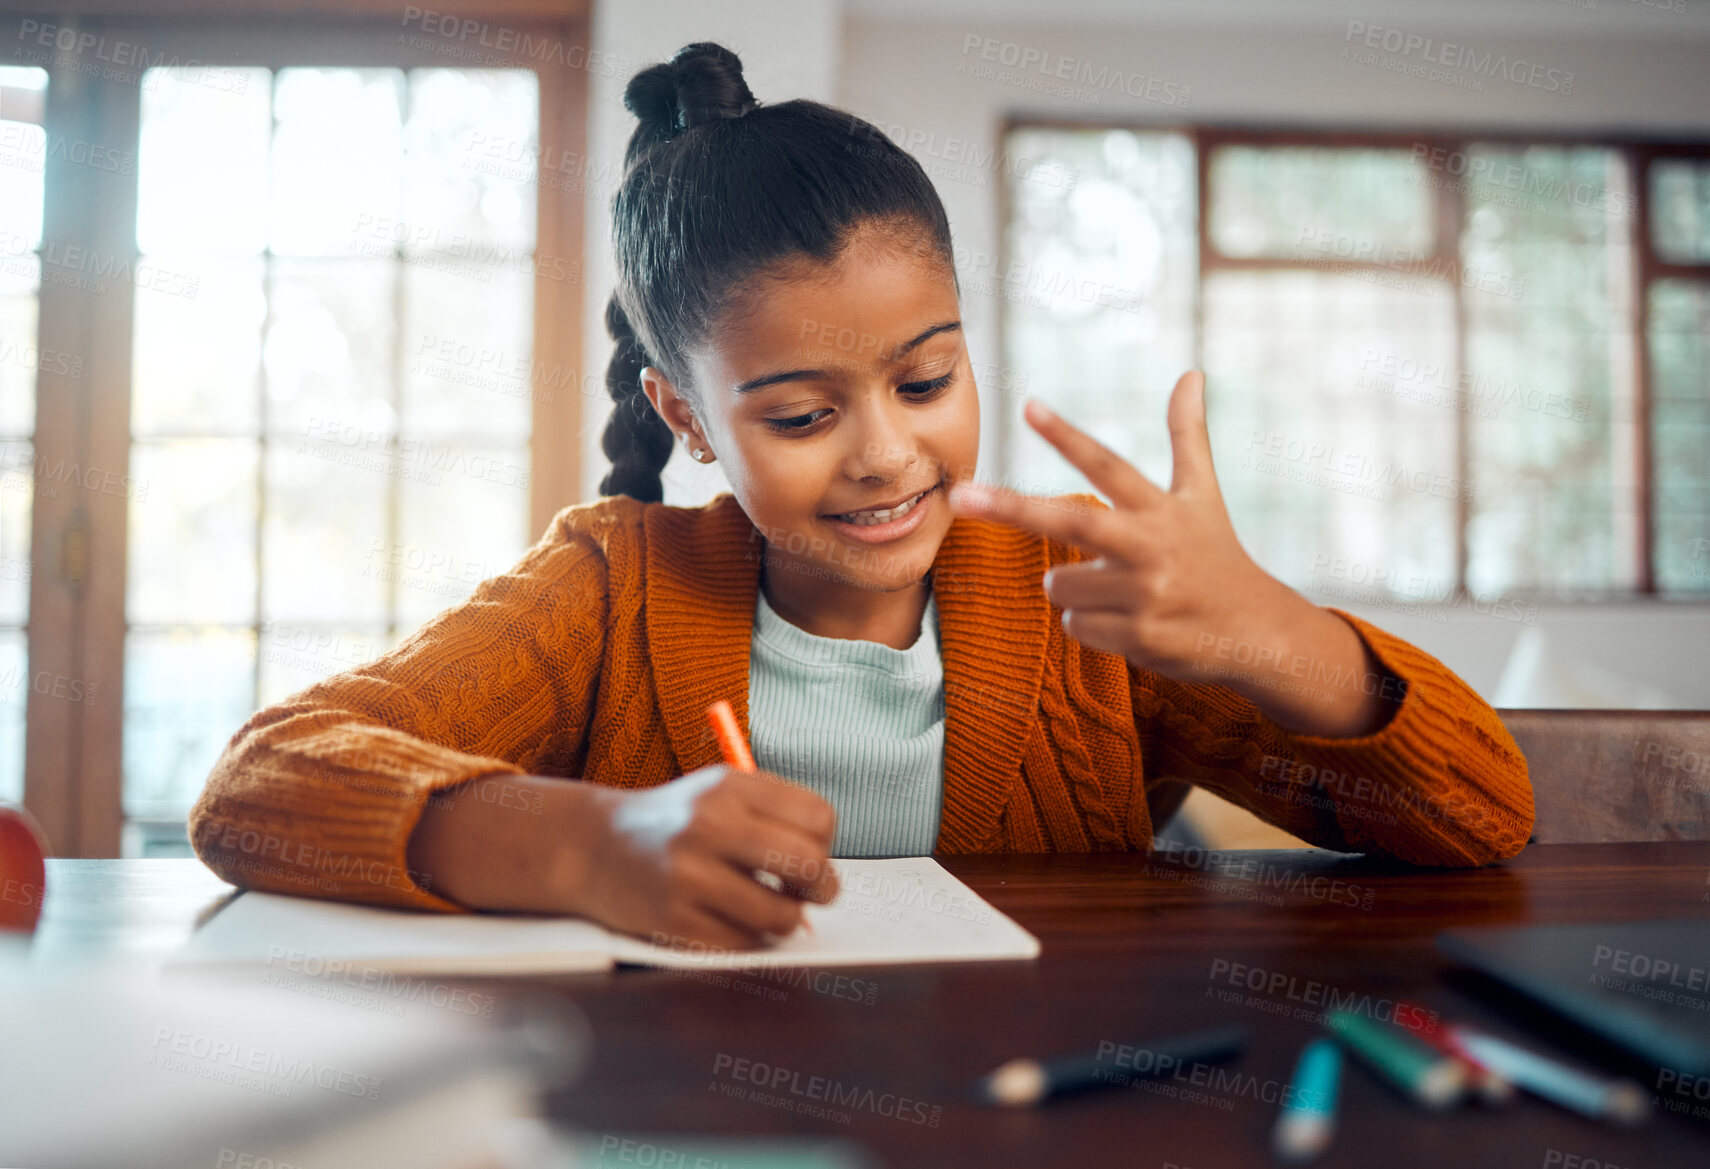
pixel 800 422
pixel 931 387
pixel 804 422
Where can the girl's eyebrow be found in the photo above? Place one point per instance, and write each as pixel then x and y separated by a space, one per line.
pixel 791 375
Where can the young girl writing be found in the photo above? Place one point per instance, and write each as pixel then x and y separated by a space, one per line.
pixel 921 664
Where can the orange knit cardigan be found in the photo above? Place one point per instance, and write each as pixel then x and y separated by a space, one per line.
pixel 597 654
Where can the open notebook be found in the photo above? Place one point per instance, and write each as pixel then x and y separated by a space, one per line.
pixel 890 910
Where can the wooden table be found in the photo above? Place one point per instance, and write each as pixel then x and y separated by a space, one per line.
pixel 1134 947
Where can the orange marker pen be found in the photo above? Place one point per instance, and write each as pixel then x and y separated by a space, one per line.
pixel 736 754
pixel 730 741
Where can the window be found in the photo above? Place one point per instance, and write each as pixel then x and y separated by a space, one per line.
pixel 337 305
pixel 329 294
pixel 1679 323
pixel 23 151
pixel 1424 356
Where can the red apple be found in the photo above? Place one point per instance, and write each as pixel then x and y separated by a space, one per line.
pixel 23 876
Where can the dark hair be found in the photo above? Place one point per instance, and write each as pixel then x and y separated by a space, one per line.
pixel 716 189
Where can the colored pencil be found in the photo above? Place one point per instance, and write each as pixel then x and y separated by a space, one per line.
pixel 1021 1083
pixel 1622 1101
pixel 1490 1087
pixel 1429 1078
pixel 1308 1119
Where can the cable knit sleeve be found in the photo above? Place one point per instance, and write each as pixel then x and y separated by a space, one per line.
pixel 318 795
pixel 1440 783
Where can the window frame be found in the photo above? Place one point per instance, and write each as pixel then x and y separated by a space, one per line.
pixel 76 624
pixel 1637 154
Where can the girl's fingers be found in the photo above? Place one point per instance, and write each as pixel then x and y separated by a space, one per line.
pixel 1110 630
pixel 1190 440
pixel 1092 584
pixel 716 931
pixel 776 797
pixel 1108 471
pixel 779 848
pixel 739 899
pixel 1059 518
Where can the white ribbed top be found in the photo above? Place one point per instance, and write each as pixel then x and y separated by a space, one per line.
pixel 858 722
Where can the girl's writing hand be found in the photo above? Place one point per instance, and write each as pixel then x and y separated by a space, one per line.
pixel 1171 588
pixel 676 863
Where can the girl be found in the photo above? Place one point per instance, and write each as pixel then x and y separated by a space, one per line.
pixel 921 664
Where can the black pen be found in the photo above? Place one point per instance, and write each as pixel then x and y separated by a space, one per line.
pixel 1024 1082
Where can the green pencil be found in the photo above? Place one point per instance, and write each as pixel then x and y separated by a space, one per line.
pixel 1428 1077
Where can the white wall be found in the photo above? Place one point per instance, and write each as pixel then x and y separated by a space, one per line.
pixel 1637 68
pixel 1653 656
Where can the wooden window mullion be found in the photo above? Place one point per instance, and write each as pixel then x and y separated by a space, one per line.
pixel 72 753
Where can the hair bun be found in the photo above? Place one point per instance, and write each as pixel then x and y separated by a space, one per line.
pixel 701 83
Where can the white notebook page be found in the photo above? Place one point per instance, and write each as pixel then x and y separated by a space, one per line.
pixel 890 910
pixel 301 935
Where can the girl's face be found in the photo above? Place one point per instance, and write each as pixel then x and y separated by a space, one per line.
pixel 836 389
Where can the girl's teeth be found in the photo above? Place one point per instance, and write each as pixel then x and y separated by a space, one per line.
pixel 866 519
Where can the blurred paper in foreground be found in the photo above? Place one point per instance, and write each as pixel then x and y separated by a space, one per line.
pixel 99 1070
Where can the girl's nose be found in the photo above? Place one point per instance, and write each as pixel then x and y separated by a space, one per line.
pixel 886 443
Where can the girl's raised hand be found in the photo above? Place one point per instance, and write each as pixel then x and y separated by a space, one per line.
pixel 1171 589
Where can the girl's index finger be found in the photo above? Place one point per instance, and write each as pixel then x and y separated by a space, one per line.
pixel 1108 471
pixel 1059 519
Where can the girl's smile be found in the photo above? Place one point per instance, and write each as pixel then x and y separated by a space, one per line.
pixel 884 524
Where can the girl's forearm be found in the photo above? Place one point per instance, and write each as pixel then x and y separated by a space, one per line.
pixel 1325 680
pixel 522 843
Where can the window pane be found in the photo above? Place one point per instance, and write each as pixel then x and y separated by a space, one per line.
pixel 329 353
pixel 1308 202
pixel 197 358
pixel 1098 281
pixel 202 161
pixel 1680 210
pixel 14 694
pixel 1547 295
pixel 323 507
pixel 468 370
pixel 193 532
pixel 1680 434
pixel 457 118
pixel 17 495
pixel 468 506
pixel 186 691
pixel 23 153
pixel 1334 436
pixel 20 358
pixel 338 154
pixel 24 366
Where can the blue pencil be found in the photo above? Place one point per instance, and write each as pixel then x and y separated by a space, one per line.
pixel 1622 1101
pixel 1308 1118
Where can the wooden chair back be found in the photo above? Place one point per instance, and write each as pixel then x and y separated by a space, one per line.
pixel 1616 775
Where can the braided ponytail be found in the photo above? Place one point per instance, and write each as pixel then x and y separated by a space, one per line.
pixel 717 188
pixel 636 439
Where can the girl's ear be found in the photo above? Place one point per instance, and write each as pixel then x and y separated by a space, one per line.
pixel 666 401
